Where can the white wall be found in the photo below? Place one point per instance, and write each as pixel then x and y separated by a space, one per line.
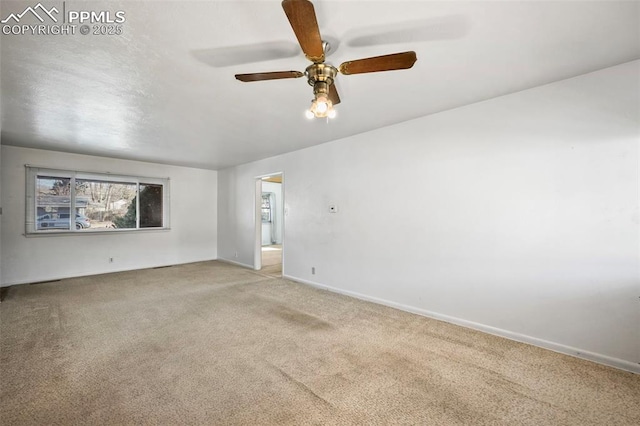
pixel 518 215
pixel 236 209
pixel 192 237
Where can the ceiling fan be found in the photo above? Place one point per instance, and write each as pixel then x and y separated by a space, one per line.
pixel 320 75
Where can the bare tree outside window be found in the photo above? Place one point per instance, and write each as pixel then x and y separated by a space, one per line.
pixel 107 202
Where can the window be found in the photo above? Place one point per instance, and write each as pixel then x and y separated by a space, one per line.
pixel 71 201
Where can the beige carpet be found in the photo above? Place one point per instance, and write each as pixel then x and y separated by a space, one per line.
pixel 272 261
pixel 211 343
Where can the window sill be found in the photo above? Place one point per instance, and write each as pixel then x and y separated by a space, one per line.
pixel 102 231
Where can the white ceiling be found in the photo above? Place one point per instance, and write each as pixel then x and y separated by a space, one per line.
pixel 159 92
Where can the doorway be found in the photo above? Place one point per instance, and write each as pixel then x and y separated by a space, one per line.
pixel 269 224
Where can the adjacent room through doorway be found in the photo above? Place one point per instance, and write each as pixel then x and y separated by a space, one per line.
pixel 271 223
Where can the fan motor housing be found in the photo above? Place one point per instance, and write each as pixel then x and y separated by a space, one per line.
pixel 320 72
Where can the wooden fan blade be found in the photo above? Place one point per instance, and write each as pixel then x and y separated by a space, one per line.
pixel 333 94
pixel 395 61
pixel 302 17
pixel 261 76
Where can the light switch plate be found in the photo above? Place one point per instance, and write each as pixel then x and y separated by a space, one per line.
pixel 333 209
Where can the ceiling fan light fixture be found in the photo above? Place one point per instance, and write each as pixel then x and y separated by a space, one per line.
pixel 322 103
pixel 321 107
pixel 320 75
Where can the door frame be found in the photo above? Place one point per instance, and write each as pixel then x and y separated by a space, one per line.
pixel 257 248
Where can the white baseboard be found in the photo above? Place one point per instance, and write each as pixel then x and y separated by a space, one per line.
pixel 34 280
pixel 556 347
pixel 233 262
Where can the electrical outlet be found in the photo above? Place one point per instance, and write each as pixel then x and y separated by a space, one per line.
pixel 111 260
pixel 313 270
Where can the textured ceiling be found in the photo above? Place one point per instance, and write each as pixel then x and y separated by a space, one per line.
pixel 164 89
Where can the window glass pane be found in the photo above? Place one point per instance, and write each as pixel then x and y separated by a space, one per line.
pixel 53 203
pixel 150 205
pixel 103 204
